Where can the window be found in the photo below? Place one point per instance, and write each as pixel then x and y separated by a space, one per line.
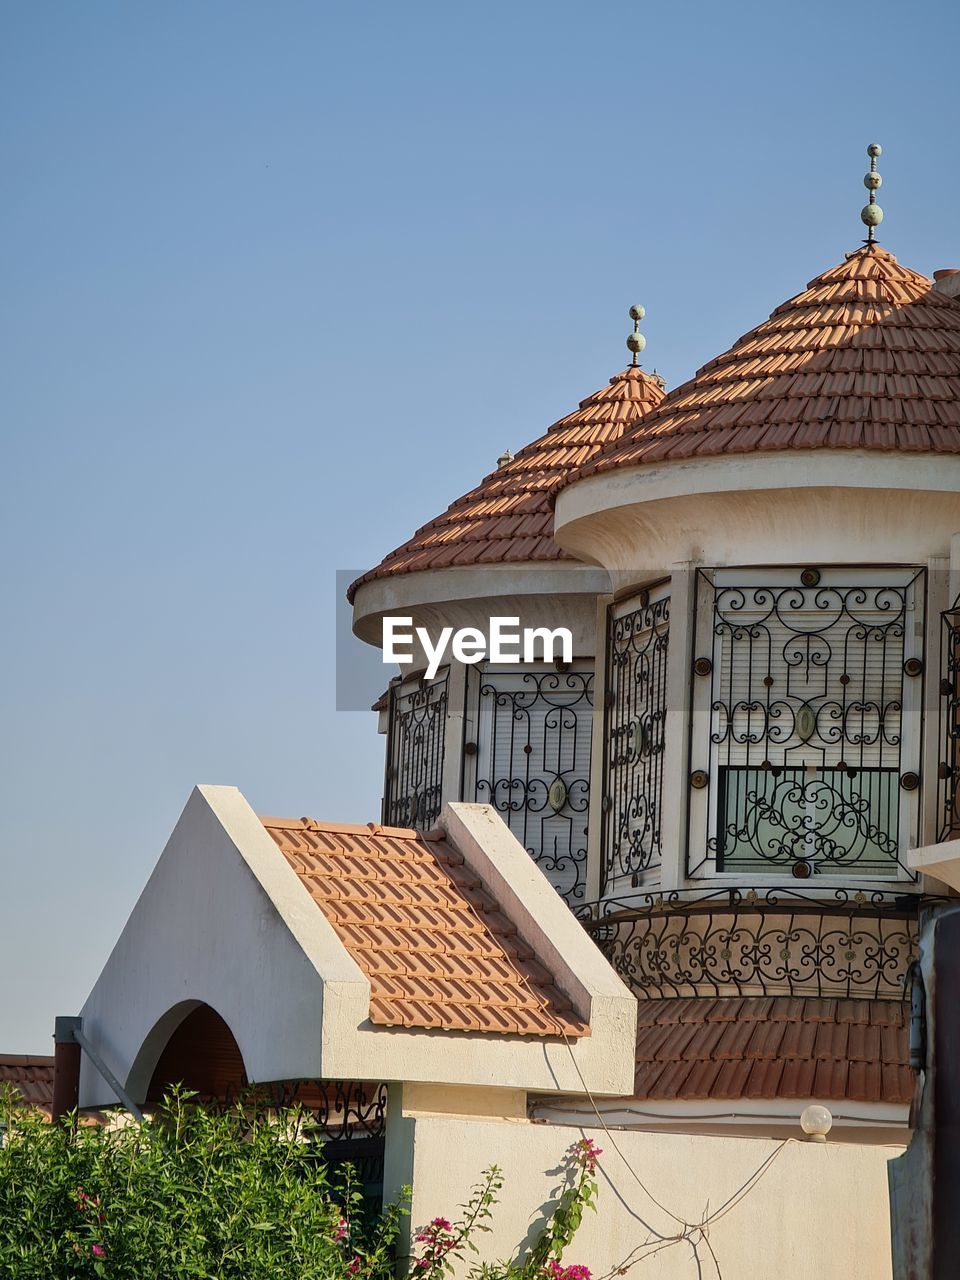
pixel 415 750
pixel 806 734
pixel 527 753
pixel 638 631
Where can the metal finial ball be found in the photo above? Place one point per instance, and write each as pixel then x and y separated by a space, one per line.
pixel 636 342
pixel 637 312
pixel 872 181
pixel 871 215
pixel 874 150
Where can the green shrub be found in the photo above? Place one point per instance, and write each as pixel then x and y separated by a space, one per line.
pixel 196 1194
pixel 190 1193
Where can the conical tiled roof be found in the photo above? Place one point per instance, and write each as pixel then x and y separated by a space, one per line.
pixel 508 516
pixel 867 357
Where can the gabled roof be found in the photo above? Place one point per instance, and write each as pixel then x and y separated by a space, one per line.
pixel 360 953
pixel 508 517
pixel 432 941
pixel 867 357
pixel 773 1047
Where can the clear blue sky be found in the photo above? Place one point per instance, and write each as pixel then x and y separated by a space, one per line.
pixel 281 280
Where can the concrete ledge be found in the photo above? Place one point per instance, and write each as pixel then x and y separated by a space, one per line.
pixel 939 860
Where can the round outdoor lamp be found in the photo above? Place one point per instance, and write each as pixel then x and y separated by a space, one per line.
pixel 816 1122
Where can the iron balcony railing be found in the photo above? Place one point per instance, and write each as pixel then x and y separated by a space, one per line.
pixel 848 943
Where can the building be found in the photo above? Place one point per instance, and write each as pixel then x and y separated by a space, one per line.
pixel 503 734
pixel 743 783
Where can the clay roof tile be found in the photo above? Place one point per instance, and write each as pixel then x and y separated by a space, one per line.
pixel 774 1047
pixel 433 942
pixel 469 532
pixel 869 317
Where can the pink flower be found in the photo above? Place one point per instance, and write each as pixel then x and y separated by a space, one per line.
pixel 556 1271
pixel 586 1152
pixel 354 1266
pixel 442 1223
pixel 341 1231
pixel 98 1250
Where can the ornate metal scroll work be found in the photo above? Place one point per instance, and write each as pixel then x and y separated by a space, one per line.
pixel 415 751
pixel 531 761
pixel 636 709
pixel 745 943
pixel 948 797
pixel 806 727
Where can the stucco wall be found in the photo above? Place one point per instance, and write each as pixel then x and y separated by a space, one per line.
pixel 818 507
pixel 820 1210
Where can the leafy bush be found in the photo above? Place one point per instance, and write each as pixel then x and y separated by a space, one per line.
pixel 190 1193
pixel 194 1194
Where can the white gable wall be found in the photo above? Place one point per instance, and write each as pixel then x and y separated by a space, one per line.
pixel 223 921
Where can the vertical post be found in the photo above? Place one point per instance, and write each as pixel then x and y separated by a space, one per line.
pixel 938 599
pixel 452 781
pixel 925 1180
pixel 66 1067
pixel 677 740
pixel 598 779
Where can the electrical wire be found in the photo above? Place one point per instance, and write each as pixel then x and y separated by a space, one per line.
pixel 689 1229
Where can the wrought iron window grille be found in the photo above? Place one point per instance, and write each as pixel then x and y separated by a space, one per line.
pixel 527 737
pixel 948 788
pixel 806 726
pixel 635 708
pixel 416 738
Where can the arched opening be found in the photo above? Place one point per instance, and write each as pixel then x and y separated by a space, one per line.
pixel 201 1054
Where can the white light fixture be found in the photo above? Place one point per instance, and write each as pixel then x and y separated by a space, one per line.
pixel 816 1122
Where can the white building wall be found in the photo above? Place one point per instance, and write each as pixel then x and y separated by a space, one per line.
pixel 818 1210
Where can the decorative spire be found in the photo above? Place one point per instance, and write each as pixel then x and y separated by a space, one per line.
pixel 636 341
pixel 871 215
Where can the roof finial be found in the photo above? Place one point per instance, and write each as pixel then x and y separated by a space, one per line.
pixel 636 341
pixel 871 215
pixel 504 458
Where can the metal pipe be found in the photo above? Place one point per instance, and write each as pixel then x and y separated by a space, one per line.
pixel 69 1031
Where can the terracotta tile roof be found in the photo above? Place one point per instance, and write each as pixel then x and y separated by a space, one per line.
pixel 773 1047
pixel 868 356
pixel 31 1074
pixel 509 515
pixel 433 942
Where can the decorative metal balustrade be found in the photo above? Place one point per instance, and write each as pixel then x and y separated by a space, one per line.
pixel 527 753
pixel 813 726
pixel 346 1120
pixel 416 735
pixel 635 709
pixel 749 942
pixel 340 1110
pixel 948 795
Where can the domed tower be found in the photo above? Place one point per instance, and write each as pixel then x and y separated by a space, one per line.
pixel 514 735
pixel 780 710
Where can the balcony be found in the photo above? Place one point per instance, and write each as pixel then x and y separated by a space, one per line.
pixel 845 943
